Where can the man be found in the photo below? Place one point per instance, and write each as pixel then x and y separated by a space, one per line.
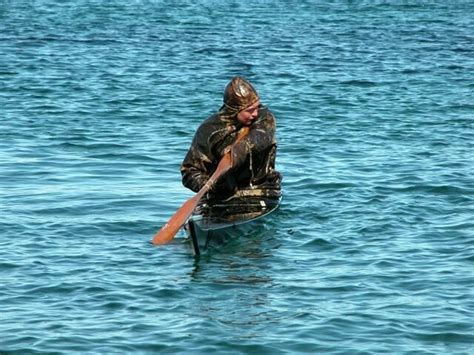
pixel 253 158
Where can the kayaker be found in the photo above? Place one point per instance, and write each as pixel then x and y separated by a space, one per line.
pixel 253 158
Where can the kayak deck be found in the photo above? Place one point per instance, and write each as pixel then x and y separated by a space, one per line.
pixel 211 227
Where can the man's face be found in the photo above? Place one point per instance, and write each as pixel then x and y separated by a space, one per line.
pixel 249 114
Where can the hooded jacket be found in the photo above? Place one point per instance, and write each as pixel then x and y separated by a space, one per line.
pixel 253 157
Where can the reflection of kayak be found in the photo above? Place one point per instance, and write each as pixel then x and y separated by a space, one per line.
pixel 210 227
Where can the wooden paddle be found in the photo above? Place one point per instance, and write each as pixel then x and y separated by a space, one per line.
pixel 169 230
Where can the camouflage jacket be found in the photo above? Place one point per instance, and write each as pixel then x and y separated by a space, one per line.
pixel 254 167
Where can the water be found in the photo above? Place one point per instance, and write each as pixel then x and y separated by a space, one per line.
pixel 372 248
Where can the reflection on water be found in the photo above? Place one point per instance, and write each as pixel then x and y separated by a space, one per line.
pixel 240 275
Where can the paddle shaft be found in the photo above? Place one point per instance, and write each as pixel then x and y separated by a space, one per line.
pixel 169 230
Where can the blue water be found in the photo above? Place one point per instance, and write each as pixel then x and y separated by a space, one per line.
pixel 372 249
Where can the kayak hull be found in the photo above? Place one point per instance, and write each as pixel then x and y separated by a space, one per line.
pixel 209 230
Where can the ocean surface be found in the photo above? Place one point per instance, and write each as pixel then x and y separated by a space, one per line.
pixel 372 250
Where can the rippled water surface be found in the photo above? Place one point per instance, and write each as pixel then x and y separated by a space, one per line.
pixel 372 249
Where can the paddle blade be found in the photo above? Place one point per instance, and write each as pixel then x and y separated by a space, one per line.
pixel 169 230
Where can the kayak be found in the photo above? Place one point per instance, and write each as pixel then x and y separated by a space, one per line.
pixel 214 226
